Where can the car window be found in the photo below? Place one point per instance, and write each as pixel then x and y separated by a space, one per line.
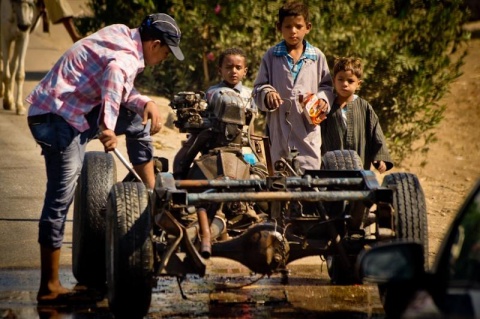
pixel 465 251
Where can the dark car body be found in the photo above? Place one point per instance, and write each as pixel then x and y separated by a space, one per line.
pixel 451 288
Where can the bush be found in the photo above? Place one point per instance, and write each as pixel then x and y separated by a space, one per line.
pixel 412 50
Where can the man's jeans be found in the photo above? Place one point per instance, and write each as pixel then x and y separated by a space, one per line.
pixel 63 148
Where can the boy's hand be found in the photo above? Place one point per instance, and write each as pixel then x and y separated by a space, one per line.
pixel 315 108
pixel 273 100
pixel 322 105
pixel 380 166
pixel 108 139
pixel 151 112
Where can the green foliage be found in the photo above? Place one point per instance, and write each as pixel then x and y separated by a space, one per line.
pixel 106 12
pixel 210 27
pixel 407 48
pixel 412 50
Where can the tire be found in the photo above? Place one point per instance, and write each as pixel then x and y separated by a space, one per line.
pixel 410 208
pixel 129 251
pixel 340 160
pixel 411 223
pixel 88 244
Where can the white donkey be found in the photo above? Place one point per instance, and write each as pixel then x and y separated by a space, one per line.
pixel 16 17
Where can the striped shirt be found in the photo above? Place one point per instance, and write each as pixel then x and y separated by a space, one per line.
pixel 97 70
pixel 360 132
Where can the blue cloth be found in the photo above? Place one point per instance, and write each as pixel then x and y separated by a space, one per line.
pixel 309 53
pixel 250 158
pixel 63 148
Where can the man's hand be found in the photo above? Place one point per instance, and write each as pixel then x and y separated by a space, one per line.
pixel 108 139
pixel 151 112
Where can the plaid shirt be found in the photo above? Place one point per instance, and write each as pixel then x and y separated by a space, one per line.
pixel 97 70
pixel 309 53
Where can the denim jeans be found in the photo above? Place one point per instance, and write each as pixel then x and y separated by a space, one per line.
pixel 63 148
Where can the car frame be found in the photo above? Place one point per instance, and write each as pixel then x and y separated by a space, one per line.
pixel 264 215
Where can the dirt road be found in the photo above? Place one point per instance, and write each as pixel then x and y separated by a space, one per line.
pixel 451 167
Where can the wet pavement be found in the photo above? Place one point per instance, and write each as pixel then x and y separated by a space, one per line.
pixel 228 290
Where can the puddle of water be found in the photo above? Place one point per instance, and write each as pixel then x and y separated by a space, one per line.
pixel 18 291
pixel 303 297
pixel 230 293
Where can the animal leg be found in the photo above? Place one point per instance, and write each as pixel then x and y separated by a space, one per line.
pixel 2 64
pixel 20 53
pixel 8 84
pixel 1 73
pixel 6 77
pixel 2 89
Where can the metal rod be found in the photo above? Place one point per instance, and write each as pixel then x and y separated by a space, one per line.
pixel 291 182
pixel 279 196
pixel 127 164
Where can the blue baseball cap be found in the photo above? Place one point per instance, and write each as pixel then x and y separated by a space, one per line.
pixel 166 29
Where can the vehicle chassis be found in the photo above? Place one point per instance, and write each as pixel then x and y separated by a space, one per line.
pixel 313 189
pixel 127 236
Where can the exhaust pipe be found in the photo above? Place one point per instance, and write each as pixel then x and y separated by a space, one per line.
pixel 205 238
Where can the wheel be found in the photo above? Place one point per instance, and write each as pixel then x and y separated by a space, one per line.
pixel 88 252
pixel 341 160
pixel 411 223
pixel 129 249
pixel 410 208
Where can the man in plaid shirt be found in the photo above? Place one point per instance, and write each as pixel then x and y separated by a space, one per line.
pixel 90 92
